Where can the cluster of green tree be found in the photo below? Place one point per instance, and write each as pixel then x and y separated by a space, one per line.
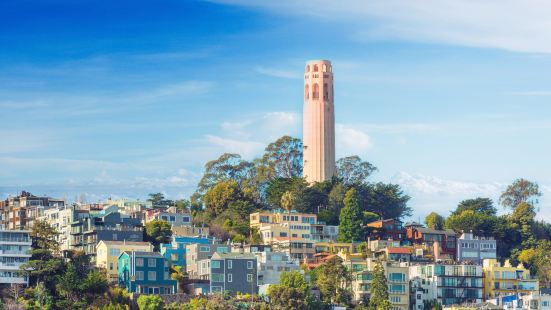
pixel 65 282
pixel 158 200
pixel 232 188
pixel 520 237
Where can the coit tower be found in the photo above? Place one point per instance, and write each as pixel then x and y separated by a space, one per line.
pixel 319 122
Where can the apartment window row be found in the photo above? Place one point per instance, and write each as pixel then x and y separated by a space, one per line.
pixel 151 262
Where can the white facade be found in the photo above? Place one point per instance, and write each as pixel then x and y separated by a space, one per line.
pixel 272 264
pixel 536 300
pixel 173 218
pixel 475 249
pixel 447 283
pixel 15 250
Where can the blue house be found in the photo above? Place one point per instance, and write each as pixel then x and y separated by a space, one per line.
pixel 145 273
pixel 175 252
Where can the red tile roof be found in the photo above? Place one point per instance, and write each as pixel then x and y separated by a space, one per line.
pixel 399 250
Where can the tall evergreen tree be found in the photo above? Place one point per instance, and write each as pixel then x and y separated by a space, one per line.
pixel 379 299
pixel 350 220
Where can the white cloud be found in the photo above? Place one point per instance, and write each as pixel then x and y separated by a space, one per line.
pixel 521 26
pixel 351 140
pixel 430 185
pixel 431 193
pixel 279 73
pixel 245 148
pixel 249 136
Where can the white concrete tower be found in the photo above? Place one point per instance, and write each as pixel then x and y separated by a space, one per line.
pixel 319 122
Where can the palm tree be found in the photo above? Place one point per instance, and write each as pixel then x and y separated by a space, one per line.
pixel 287 201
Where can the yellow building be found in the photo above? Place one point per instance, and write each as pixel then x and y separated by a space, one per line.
pixel 107 254
pixel 506 280
pixel 281 224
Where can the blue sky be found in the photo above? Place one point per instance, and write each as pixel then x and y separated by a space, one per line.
pixel 452 100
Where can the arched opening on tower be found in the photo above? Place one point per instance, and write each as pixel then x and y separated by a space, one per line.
pixel 316 69
pixel 306 91
pixel 315 91
pixel 324 68
pixel 307 68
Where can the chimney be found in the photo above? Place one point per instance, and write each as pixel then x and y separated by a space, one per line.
pixel 436 249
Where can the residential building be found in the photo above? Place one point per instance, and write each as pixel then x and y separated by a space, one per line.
pixel 198 258
pixel 475 249
pixel 336 247
pixel 501 280
pixel 61 218
pixel 320 232
pixel 272 264
pixel 389 229
pixel 536 300
pixel 108 252
pixel 88 231
pixel 295 249
pixel 15 250
pixel 362 275
pixel 145 273
pixel 293 232
pixel 175 252
pixel 233 273
pixel 19 212
pixel 169 215
pixel 396 254
pixel 190 231
pixel 447 283
pixel 398 284
pixel 446 239
pixel 279 223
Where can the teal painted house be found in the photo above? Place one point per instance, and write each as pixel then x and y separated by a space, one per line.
pixel 175 252
pixel 145 273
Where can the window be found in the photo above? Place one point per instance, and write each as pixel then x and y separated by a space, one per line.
pixel 139 262
pixel 114 252
pixel 397 277
pixel 230 264
pixel 215 264
pixel 230 277
pixel 139 275
pixel 164 218
pixel 172 218
pixel 249 264
pixel 173 257
pixel 185 219
pixel 249 277
pixel 306 96
pixel 110 266
pixel 397 288
pixel 395 299
pixel 222 249
pixel 167 276
pixel 115 237
pixel 316 68
pixel 151 276
pixel 204 249
pixel 283 234
pixel 217 277
pixel 315 91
